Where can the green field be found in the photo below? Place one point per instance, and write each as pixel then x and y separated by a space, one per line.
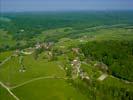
pixel 38 69
pixel 49 89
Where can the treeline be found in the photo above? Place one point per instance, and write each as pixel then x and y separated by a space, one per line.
pixel 100 91
pixel 117 55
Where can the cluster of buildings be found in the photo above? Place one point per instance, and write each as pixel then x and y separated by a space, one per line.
pixel 45 46
pixel 77 70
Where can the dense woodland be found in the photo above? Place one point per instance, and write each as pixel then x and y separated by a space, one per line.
pixel 117 55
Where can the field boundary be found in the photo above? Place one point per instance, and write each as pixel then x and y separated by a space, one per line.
pixel 125 81
pixel 10 92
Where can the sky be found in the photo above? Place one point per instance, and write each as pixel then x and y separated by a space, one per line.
pixel 60 5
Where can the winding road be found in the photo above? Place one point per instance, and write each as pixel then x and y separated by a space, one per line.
pixel 39 78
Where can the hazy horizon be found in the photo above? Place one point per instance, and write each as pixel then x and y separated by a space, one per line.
pixel 63 5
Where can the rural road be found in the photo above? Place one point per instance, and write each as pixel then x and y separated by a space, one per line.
pixel 39 78
pixel 4 86
pixel 4 61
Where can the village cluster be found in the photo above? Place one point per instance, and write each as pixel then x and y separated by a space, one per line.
pixel 74 64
